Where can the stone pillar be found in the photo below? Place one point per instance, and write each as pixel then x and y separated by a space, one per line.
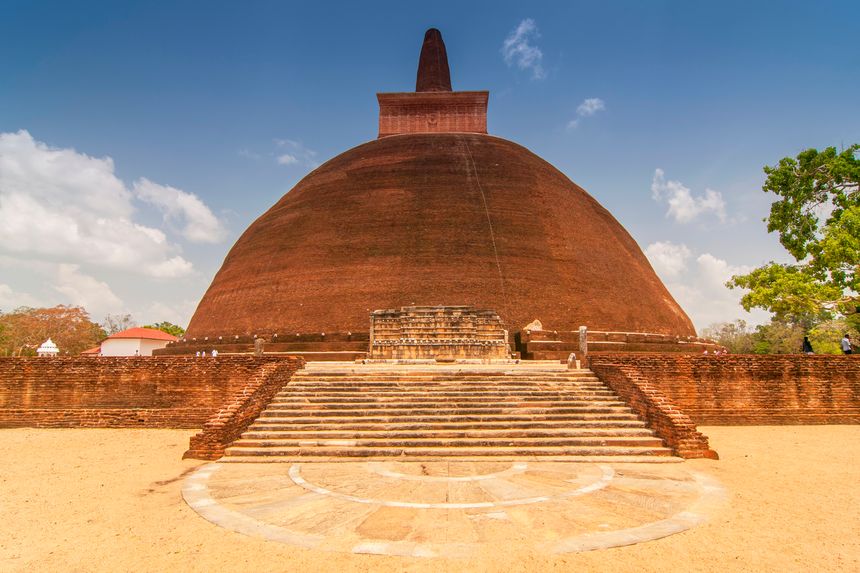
pixel 370 338
pixel 583 342
pixel 258 347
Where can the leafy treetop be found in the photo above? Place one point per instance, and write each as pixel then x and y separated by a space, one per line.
pixel 167 327
pixel 818 220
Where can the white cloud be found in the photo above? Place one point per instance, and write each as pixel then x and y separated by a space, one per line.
pixel 63 206
pixel 700 287
pixel 587 108
pixel 286 152
pixel 683 206
pixel 200 225
pixel 590 106
pixel 292 152
pixel 519 49
pixel 668 259
pixel 171 268
pixel 178 313
pixel 248 154
pixel 11 299
pixel 83 290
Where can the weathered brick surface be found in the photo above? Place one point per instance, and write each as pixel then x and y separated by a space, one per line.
pixel 558 344
pixel 146 392
pixel 432 112
pixel 435 219
pixel 234 417
pixel 676 428
pixel 749 389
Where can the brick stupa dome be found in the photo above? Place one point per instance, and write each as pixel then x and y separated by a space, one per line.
pixel 435 212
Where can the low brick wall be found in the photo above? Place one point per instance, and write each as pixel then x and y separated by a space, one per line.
pixel 674 427
pixel 750 389
pixel 558 344
pixel 108 392
pixel 228 423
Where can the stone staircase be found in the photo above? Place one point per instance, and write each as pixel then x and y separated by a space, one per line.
pixel 431 412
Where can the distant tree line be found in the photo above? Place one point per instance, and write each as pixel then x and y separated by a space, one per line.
pixel 817 217
pixel 778 336
pixel 24 329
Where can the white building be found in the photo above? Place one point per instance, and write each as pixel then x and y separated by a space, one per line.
pixel 135 342
pixel 48 348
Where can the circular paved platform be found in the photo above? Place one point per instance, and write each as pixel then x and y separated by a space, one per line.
pixel 452 509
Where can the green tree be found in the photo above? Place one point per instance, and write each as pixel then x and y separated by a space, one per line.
pixel 817 217
pixel 167 327
pixel 4 335
pixel 825 337
pixel 778 337
pixel 735 336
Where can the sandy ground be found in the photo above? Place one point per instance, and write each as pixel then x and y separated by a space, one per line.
pixel 109 500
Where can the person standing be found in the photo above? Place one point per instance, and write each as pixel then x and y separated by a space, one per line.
pixel 807 346
pixel 846 344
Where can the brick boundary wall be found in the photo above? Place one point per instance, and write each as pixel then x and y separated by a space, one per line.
pixel 750 389
pixel 674 427
pixel 234 417
pixel 118 392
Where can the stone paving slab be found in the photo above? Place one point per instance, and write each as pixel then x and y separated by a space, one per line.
pixel 459 458
pixel 452 508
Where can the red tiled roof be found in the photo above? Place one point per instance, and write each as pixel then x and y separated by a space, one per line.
pixel 94 350
pixel 146 333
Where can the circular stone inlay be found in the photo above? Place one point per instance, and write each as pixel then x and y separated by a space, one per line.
pixel 606 471
pixel 452 509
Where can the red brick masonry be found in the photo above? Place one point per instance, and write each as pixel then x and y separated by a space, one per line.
pixel 674 427
pixel 748 389
pixel 143 392
pixel 432 112
pixel 228 423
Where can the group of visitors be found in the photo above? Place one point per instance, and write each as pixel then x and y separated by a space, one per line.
pixel 203 353
pixel 845 344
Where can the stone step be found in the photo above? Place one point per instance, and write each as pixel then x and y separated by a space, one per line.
pixel 305 375
pixel 475 382
pixel 382 410
pixel 451 372
pixel 447 387
pixel 448 375
pixel 381 433
pixel 275 417
pixel 494 451
pixel 490 383
pixel 263 425
pixel 456 456
pixel 407 394
pixel 462 370
pixel 555 441
pixel 511 386
pixel 399 402
pixel 285 344
pixel 332 356
pixel 431 414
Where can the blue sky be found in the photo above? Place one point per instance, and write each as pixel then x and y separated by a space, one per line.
pixel 211 111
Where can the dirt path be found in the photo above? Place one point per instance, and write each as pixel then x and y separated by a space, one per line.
pixel 109 500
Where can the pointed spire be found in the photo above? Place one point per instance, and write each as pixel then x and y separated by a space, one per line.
pixel 433 72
